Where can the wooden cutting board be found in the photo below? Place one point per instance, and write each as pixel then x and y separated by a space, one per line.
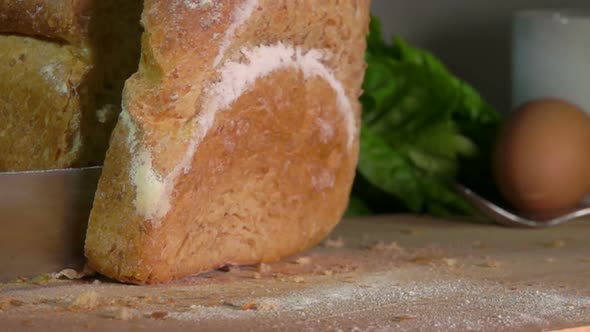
pixel 378 274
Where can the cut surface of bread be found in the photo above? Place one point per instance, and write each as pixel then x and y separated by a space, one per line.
pixel 63 64
pixel 238 139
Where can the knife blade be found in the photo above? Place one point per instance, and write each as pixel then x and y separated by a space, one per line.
pixel 43 219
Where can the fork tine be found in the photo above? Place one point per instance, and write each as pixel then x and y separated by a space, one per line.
pixel 507 218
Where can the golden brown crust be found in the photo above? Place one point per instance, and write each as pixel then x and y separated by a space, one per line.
pixel 53 19
pixel 273 171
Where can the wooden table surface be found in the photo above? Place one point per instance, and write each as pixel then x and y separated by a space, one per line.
pixel 379 274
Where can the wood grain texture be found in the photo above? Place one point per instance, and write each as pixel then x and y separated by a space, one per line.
pixel 400 272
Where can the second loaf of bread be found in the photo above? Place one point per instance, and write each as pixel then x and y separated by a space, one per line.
pixel 63 64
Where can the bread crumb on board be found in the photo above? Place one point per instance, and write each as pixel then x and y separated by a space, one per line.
pixel 328 273
pixel 85 301
pixel 259 305
pixel 305 260
pixel 387 246
pixel 159 315
pixel 555 244
pixel 490 263
pixel 42 279
pixel 7 303
pixel 121 313
pixel 298 279
pixel 334 243
pixel 16 303
pixel 401 319
pixel 73 274
pixel 451 262
pixel 263 268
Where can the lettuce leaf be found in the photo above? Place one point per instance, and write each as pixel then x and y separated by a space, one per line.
pixel 422 128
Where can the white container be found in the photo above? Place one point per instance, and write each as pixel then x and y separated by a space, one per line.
pixel 551 56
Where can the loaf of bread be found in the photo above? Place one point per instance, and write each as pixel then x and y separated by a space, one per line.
pixel 63 64
pixel 238 139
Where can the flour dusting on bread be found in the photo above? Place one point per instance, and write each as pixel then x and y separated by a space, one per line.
pixel 214 7
pixel 126 120
pixel 327 130
pixel 150 188
pixel 322 180
pixel 53 73
pixel 151 191
pixel 236 78
pixel 240 16
pixel 197 4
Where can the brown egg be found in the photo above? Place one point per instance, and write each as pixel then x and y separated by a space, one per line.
pixel 542 157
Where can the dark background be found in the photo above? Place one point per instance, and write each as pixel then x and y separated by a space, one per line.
pixel 472 37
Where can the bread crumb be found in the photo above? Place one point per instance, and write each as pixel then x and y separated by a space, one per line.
pixel 299 280
pixel 107 113
pixel 550 260
pixel 43 279
pixel 334 243
pixel 27 323
pixel 121 313
pixel 555 244
pixel 423 260
pixel 72 274
pixel 263 268
pixel 249 306
pixel 259 306
pixel 232 305
pixel 85 301
pixel 68 274
pixel 451 262
pixel 268 306
pixel 412 231
pixel 20 280
pixel 257 275
pixel 16 303
pixel 490 263
pixel 350 279
pixel 303 260
pixel 159 315
pixel 401 319
pixel 328 272
pixel 382 246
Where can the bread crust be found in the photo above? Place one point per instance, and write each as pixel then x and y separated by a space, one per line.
pixel 63 64
pixel 56 19
pixel 239 139
pixel 39 109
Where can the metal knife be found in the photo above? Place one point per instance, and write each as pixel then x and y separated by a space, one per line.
pixel 43 219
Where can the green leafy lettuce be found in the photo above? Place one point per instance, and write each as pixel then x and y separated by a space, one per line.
pixel 421 128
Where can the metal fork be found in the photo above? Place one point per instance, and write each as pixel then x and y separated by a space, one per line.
pixel 507 218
